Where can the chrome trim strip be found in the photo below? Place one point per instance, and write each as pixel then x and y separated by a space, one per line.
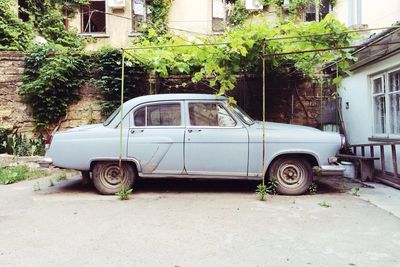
pixel 258 175
pixel 205 173
pixel 188 176
pixel 156 127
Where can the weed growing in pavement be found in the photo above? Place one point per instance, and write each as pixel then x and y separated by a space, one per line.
pixel 313 188
pixel 124 193
pixel 262 191
pixel 51 183
pixel 324 204
pixel 356 191
pixel 267 189
pixel 272 184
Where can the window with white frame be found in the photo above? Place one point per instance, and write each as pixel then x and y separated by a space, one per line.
pixel 386 104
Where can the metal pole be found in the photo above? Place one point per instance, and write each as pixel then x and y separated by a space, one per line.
pixel 322 103
pixel 263 115
pixel 122 108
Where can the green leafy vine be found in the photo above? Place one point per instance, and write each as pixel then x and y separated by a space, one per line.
pixel 106 75
pixel 52 80
pixel 14 33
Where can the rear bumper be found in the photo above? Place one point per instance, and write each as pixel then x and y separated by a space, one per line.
pixel 330 170
pixel 45 162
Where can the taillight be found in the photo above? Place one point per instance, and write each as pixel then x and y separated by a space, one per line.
pixel 48 141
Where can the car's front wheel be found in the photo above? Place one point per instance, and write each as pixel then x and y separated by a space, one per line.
pixel 293 175
pixel 108 177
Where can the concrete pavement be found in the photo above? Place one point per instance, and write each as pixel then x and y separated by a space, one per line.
pixel 199 223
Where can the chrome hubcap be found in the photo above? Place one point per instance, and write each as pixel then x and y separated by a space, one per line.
pixel 112 175
pixel 290 174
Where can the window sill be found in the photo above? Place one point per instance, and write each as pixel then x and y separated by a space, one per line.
pixel 383 139
pixel 95 34
pixel 135 34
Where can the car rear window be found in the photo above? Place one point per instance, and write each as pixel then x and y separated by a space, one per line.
pixel 158 115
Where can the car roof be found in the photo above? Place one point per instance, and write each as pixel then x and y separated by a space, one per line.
pixel 128 105
pixel 160 97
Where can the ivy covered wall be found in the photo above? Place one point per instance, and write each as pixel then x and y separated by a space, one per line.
pixel 16 115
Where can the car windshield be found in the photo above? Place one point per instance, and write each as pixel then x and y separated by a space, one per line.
pixel 241 114
pixel 111 117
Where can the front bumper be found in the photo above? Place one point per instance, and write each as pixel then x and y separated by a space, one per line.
pixel 45 162
pixel 330 170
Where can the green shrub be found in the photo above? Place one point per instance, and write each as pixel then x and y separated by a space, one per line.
pixel 9 175
pixel 19 145
pixel 239 14
pixel 47 19
pixel 14 33
pixel 4 133
pixel 106 73
pixel 52 80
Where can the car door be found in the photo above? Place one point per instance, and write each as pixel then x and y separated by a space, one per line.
pixel 216 144
pixel 156 137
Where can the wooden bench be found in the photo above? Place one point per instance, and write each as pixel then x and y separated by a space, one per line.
pixel 366 164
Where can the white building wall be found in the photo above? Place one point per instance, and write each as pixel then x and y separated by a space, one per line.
pixel 372 13
pixel 356 91
pixel 191 16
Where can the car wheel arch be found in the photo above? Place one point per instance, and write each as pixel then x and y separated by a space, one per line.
pixel 310 157
pixel 132 162
pixel 293 172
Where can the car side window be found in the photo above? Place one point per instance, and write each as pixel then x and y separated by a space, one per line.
pixel 209 114
pixel 140 117
pixel 158 115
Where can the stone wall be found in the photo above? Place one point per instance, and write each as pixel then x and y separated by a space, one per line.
pixel 16 115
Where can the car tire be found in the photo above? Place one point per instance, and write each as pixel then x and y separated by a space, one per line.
pixel 293 175
pixel 107 180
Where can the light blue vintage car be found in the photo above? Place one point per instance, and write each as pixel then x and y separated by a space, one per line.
pixel 192 136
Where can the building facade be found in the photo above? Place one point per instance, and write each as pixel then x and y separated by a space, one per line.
pixel 367 13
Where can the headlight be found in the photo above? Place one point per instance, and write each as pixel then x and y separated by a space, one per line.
pixel 342 141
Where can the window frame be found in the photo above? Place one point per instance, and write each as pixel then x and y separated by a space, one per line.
pixel 82 30
pixel 385 92
pixel 238 123
pixel 390 93
pixel 132 115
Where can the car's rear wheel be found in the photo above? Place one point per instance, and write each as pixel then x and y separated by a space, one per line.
pixel 293 175
pixel 108 177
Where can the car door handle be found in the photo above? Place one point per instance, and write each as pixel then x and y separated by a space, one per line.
pixel 136 131
pixel 194 130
